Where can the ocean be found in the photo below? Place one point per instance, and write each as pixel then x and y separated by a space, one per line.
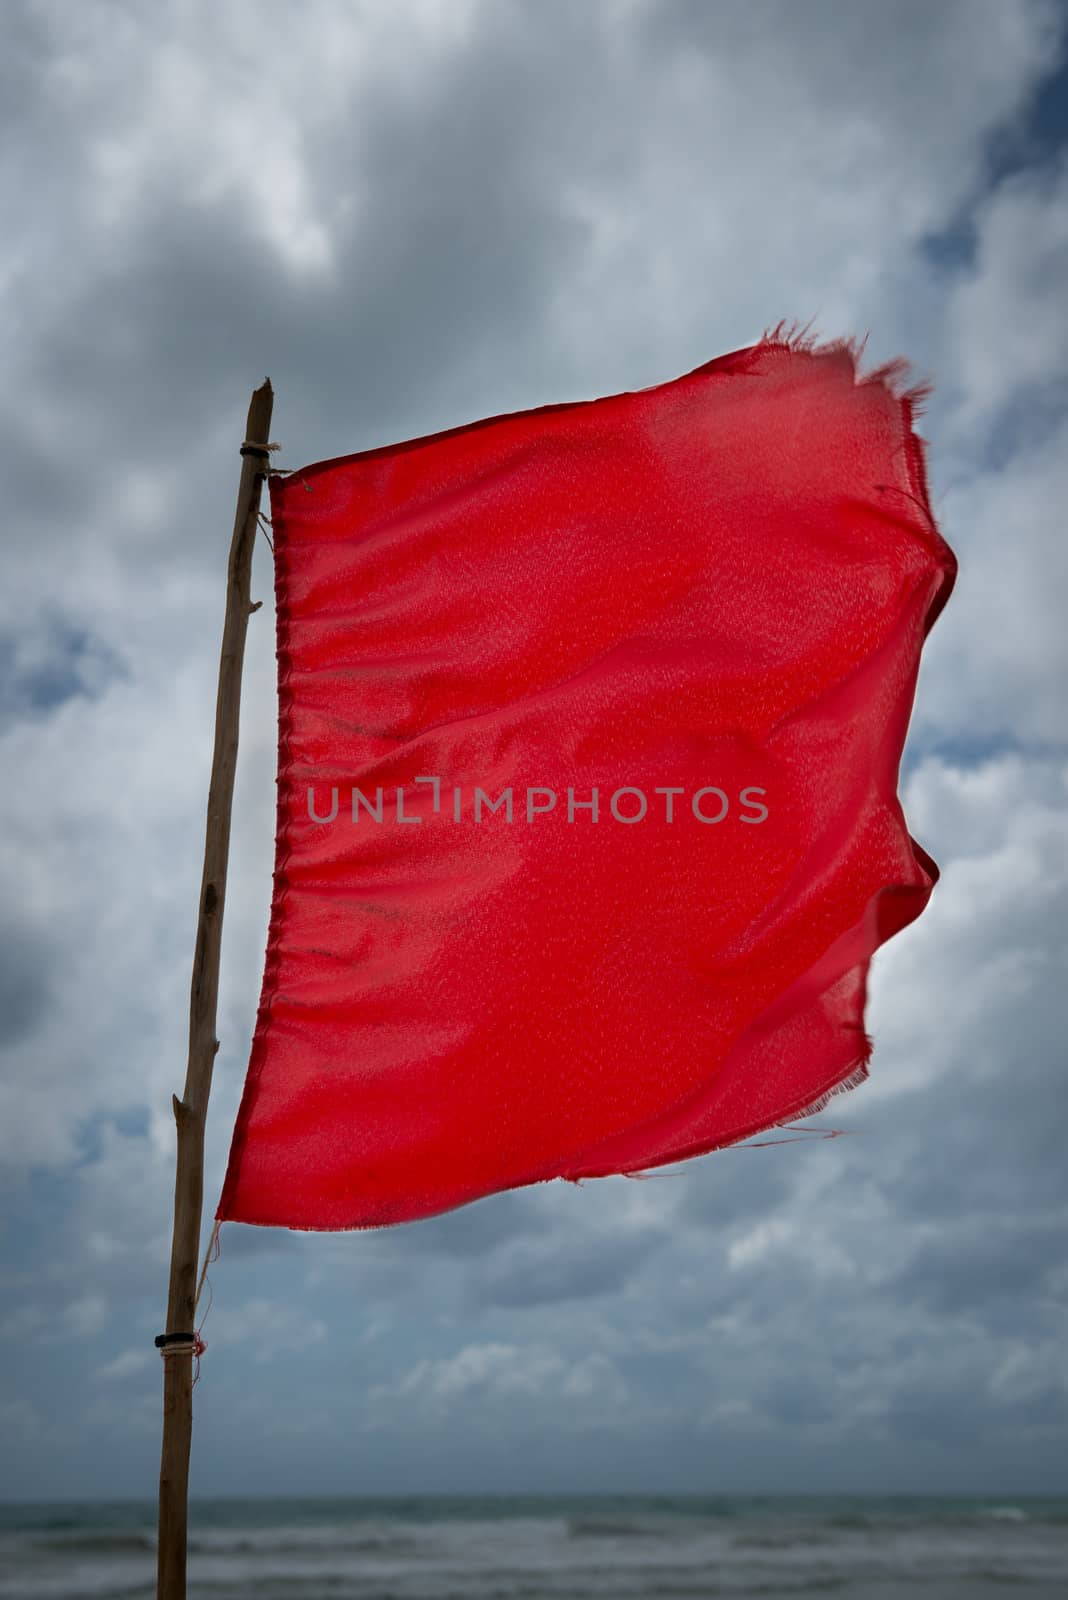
pixel 543 1548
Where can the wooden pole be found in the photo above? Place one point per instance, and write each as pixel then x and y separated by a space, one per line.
pixel 191 1110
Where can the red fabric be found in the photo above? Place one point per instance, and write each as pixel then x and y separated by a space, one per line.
pixel 721 582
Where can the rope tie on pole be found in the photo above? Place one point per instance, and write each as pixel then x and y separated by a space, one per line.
pixel 180 1344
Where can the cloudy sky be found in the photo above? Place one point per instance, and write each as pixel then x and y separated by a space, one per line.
pixel 410 215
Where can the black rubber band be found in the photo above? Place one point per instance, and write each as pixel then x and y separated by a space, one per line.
pixel 174 1338
pixel 255 450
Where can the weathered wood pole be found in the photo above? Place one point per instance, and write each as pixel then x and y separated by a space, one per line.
pixel 191 1110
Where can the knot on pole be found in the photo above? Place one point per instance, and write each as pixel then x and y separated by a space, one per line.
pixel 182 1344
pixel 179 1344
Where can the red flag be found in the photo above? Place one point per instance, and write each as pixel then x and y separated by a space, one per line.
pixel 590 724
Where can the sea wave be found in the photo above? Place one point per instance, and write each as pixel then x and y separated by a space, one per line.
pixel 621 1527
pixel 781 1538
pixel 103 1543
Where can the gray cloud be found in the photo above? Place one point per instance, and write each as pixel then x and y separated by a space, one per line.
pixel 25 979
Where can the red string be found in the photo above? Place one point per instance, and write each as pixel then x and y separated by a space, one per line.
pixel 805 1135
pixel 819 1133
pixel 199 1344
